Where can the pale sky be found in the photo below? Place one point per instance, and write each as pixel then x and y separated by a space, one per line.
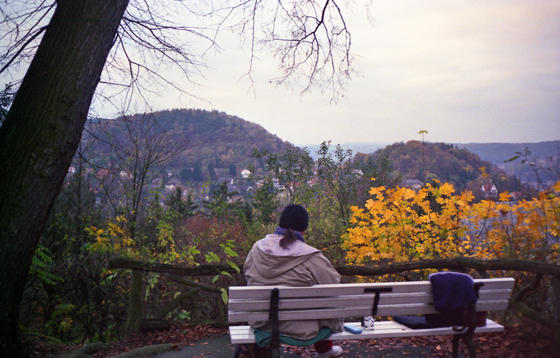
pixel 464 71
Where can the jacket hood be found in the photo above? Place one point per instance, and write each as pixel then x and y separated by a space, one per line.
pixel 271 260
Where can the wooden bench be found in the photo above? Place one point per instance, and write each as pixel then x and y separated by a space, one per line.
pixel 248 304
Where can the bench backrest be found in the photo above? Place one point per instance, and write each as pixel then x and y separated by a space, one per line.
pixel 252 303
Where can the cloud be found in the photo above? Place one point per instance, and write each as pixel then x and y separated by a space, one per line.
pixel 469 71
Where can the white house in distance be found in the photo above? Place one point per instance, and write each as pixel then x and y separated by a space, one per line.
pixel 126 174
pixel 245 173
pixel 489 191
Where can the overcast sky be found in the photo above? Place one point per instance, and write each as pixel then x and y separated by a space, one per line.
pixel 465 71
pixel 462 70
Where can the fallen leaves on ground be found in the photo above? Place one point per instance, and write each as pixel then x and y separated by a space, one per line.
pixel 179 336
pixel 515 342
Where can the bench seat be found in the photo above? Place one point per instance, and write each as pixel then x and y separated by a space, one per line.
pixel 383 329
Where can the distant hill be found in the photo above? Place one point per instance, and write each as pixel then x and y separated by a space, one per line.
pixel 218 140
pixel 544 156
pixel 210 137
pixel 495 153
pixel 499 152
pixel 446 163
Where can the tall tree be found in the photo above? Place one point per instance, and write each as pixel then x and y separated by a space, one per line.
pixel 43 127
pixel 293 169
pixel 40 135
pixel 340 178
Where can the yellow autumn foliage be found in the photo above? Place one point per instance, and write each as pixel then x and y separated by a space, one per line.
pixel 115 240
pixel 403 225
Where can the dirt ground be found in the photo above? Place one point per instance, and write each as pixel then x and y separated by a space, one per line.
pixel 211 342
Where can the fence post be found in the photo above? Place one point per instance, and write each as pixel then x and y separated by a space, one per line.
pixel 136 303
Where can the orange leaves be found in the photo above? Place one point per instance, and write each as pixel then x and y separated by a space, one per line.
pixel 401 225
pixel 408 194
pixel 447 189
pixel 505 196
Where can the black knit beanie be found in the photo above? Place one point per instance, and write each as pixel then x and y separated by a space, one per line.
pixel 294 217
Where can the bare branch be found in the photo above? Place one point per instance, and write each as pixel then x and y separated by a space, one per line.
pixel 20 29
pixel 309 38
pixel 31 37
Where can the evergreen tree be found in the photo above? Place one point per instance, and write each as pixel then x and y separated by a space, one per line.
pixel 212 172
pixel 220 203
pixel 176 204
pixel 264 201
pixel 186 174
pixel 197 172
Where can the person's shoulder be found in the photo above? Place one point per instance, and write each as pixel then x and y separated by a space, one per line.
pixel 268 241
pixel 318 258
pixel 304 247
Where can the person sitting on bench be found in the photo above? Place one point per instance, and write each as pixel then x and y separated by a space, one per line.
pixel 283 258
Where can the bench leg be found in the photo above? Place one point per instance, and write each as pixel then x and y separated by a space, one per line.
pixel 267 352
pixel 470 345
pixel 467 338
pixel 456 339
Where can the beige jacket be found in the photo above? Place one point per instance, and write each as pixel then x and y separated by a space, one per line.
pixel 300 265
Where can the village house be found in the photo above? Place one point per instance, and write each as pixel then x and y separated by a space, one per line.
pixel 102 173
pixel 171 184
pixel 413 184
pixel 126 174
pixel 489 191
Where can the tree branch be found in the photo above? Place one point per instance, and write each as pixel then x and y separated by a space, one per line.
pixel 194 284
pixel 175 303
pixel 532 314
pixel 452 263
pixel 23 47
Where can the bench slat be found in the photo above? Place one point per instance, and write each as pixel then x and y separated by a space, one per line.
pixel 263 292
pixel 386 310
pixel 352 301
pixel 383 329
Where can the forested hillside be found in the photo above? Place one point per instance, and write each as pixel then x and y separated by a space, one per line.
pixel 198 141
pixel 446 163
pixel 205 137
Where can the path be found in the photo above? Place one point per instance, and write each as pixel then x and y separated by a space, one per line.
pixel 220 347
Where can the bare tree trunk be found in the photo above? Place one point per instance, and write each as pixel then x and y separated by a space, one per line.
pixel 555 283
pixel 40 135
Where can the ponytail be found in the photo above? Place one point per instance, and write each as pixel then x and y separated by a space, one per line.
pixel 289 238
